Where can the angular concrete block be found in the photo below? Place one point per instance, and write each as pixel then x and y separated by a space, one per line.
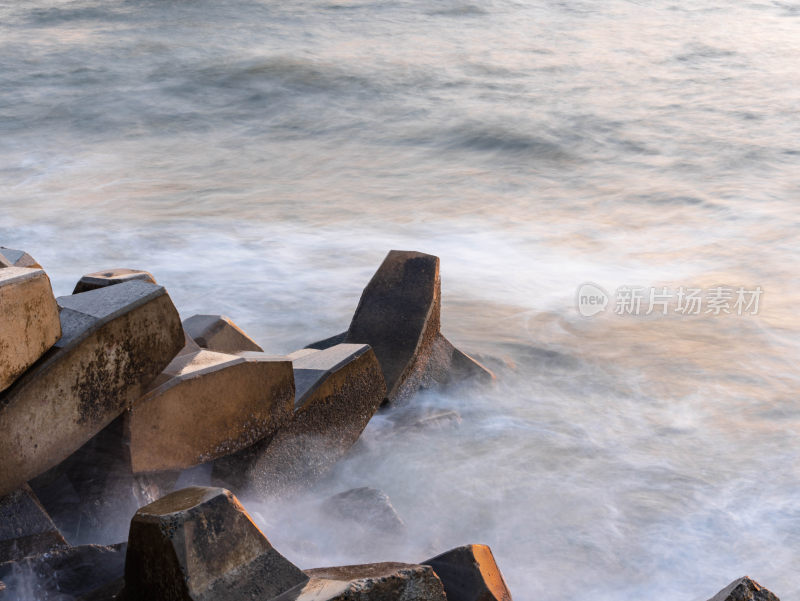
pixel 25 527
pixel 115 341
pixel 398 316
pixel 200 544
pixel 208 405
pixel 109 277
pixel 469 573
pixel 744 589
pixel 29 323
pixel 368 509
pixel 369 582
pixel 88 492
pixel 337 391
pixel 18 258
pixel 218 333
pixel 64 574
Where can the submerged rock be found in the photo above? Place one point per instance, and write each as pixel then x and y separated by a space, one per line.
pixel 469 573
pixel 398 315
pixel 337 391
pixel 367 509
pixel 211 405
pixel 29 323
pixel 25 527
pixel 17 258
pixel 109 277
pixel 63 575
pixel 115 341
pixel 200 544
pixel 369 582
pixel 744 589
pixel 219 333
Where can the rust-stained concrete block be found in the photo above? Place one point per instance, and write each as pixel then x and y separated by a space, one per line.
pixel 109 277
pixel 218 333
pixel 115 341
pixel 199 544
pixel 207 405
pixel 29 323
pixel 744 589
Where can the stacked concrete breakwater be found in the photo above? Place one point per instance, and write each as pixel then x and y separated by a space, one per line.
pixel 108 400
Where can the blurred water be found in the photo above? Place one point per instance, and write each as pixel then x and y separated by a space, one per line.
pixel 260 158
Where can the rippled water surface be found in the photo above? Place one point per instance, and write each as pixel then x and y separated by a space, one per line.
pixel 261 157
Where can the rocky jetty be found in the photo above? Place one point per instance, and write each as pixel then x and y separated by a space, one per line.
pixel 110 406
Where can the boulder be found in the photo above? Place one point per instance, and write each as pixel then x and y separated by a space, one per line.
pixel 92 494
pixel 337 391
pixel 200 544
pixel 63 575
pixel 29 323
pixel 218 333
pixel 469 573
pixel 211 405
pixel 369 582
pixel 25 527
pixel 109 277
pixel 115 341
pixel 399 317
pixel 743 589
pixel 18 258
pixel 367 509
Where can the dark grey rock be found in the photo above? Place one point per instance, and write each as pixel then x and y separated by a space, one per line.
pixel 110 277
pixel 25 527
pixel 369 582
pixel 744 589
pixel 199 544
pixel 366 508
pixel 337 391
pixel 469 573
pixel 219 333
pixel 115 341
pixel 63 575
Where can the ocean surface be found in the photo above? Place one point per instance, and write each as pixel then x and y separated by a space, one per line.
pixel 261 157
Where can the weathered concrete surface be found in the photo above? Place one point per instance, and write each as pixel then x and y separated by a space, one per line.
pixel 369 582
pixel 744 589
pixel 368 509
pixel 469 573
pixel 25 527
pixel 115 341
pixel 338 390
pixel 29 323
pixel 63 575
pixel 18 258
pixel 218 333
pixel 399 317
pixel 200 544
pixel 92 493
pixel 109 277
pixel 212 405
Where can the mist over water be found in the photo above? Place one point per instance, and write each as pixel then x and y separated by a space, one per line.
pixel 260 158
